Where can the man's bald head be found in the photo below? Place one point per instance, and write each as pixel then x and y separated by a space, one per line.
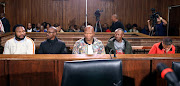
pixel 55 30
pixel 89 33
pixel 119 29
pixel 89 28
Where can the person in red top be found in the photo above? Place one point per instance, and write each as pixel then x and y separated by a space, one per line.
pixel 164 47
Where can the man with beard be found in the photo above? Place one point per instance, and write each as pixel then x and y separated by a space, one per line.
pixel 20 44
pixel 88 44
pixel 52 45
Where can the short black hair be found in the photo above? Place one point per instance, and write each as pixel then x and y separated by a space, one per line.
pixel 56 25
pixel 18 25
pixel 167 41
pixel 134 25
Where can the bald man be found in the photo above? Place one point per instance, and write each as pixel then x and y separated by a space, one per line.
pixel 116 23
pixel 118 44
pixel 52 45
pixel 88 44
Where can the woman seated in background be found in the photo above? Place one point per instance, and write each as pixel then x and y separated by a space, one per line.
pixel 134 28
pixel 58 27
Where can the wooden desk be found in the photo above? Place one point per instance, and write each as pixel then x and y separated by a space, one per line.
pixel 46 70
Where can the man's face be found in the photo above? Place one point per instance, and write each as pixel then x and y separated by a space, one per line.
pixel 29 26
pixel 113 18
pixel 20 33
pixel 89 34
pixel 51 33
pixel 119 35
pixel 158 20
pixel 39 25
pixel 166 47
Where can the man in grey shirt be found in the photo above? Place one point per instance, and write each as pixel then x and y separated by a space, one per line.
pixel 118 44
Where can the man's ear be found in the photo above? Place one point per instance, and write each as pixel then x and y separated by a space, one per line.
pixel 123 35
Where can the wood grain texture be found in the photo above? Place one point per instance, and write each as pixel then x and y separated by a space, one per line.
pixel 69 12
pixel 47 70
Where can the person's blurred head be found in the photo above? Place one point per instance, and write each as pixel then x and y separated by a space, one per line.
pixel 42 28
pixel 48 25
pixel 105 25
pixel 134 26
pixel 2 15
pixel 114 17
pixel 38 25
pixel 119 34
pixel 89 33
pixel 58 27
pixel 82 28
pixel 71 27
pixel 29 26
pixel 20 32
pixel 51 33
pixel 75 27
pixel 166 43
pixel 129 26
pixel 44 24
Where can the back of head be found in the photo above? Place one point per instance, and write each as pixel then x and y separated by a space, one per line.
pixel 56 25
pixel 52 27
pixel 89 27
pixel 134 25
pixel 167 41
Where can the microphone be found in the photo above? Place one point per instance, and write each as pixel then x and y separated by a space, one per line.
pixel 168 74
pixel 114 52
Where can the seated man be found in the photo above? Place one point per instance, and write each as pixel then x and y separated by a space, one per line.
pixel 20 44
pixel 164 47
pixel 118 44
pixel 88 44
pixel 52 45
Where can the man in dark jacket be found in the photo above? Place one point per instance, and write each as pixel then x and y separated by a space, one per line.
pixel 118 44
pixel 116 23
pixel 5 23
pixel 52 45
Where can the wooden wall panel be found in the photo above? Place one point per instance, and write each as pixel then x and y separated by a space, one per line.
pixel 32 73
pixel 3 76
pixel 67 12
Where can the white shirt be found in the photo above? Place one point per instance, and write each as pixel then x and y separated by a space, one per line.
pixel 29 30
pixel 90 49
pixel 26 46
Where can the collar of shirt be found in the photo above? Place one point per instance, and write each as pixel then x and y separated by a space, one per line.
pixel 87 43
pixel 29 30
pixel 18 41
pixel 3 18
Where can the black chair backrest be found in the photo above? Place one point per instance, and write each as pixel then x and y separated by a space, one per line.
pixel 92 73
pixel 176 68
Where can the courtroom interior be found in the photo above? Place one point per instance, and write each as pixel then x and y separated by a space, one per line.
pixel 89 43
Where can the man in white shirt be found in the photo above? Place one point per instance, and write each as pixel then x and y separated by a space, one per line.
pixel 20 44
pixel 29 28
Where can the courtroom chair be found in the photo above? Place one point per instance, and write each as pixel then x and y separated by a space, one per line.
pixel 176 68
pixel 92 73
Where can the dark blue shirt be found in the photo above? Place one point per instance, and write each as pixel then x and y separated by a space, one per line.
pixel 160 29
